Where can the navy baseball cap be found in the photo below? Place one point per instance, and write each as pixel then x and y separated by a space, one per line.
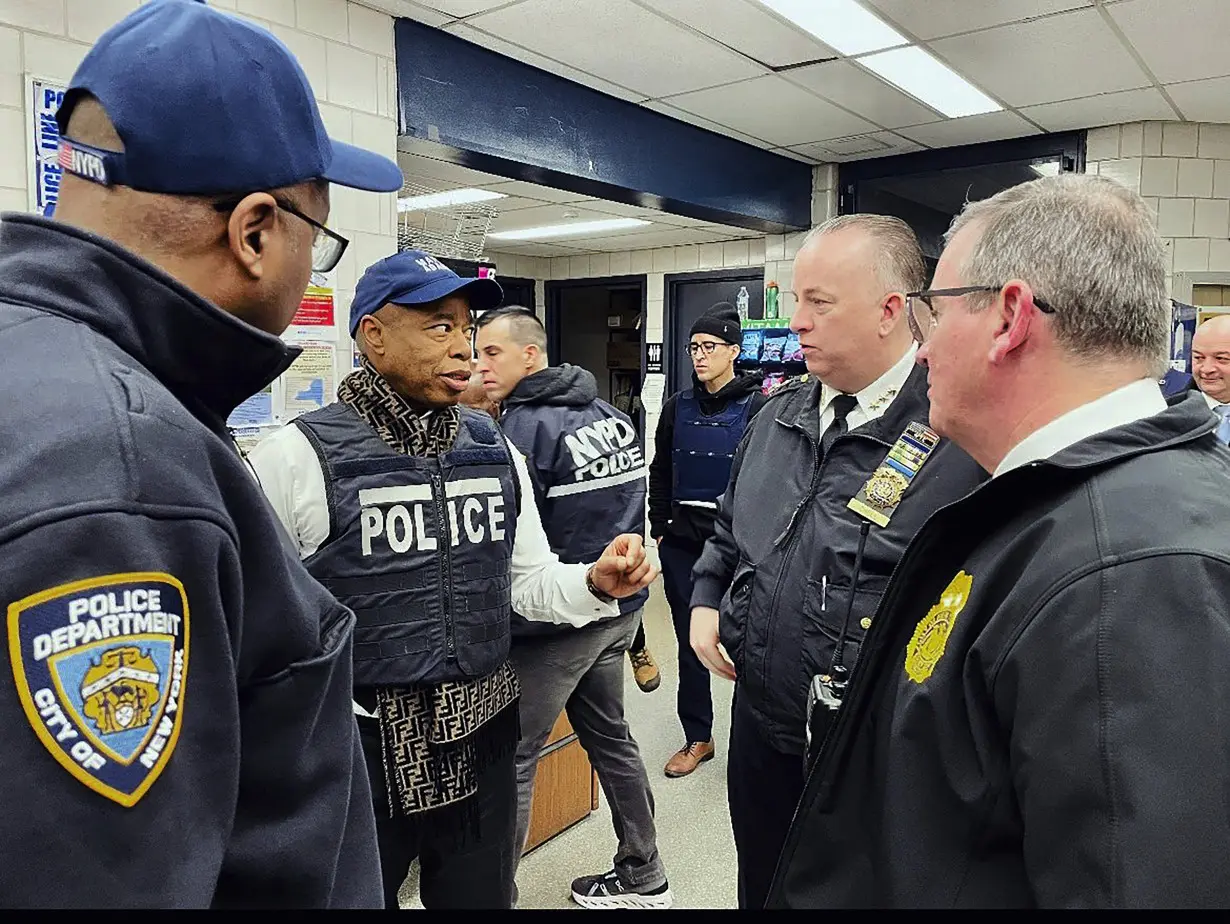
pixel 414 277
pixel 207 103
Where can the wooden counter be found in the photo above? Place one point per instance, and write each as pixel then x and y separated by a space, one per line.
pixel 566 787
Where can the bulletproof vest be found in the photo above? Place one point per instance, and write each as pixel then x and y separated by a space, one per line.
pixel 705 447
pixel 419 547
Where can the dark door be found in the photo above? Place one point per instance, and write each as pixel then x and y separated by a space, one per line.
pixel 688 296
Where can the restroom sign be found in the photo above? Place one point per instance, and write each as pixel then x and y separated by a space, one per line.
pixel 653 357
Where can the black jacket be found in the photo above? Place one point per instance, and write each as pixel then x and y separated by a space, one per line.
pixel 587 467
pixel 119 485
pixel 690 524
pixel 780 565
pixel 1040 716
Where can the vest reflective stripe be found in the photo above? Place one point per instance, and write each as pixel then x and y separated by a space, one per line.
pixel 704 447
pixel 597 484
pixel 419 548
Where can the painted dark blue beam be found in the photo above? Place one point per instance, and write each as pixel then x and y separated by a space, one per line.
pixel 504 117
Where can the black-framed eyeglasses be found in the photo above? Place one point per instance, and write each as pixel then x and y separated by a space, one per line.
pixel 327 246
pixel 705 346
pixel 920 314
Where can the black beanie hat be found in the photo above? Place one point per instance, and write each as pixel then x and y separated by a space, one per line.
pixel 722 321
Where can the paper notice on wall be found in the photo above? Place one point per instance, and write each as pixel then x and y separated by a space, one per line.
pixel 310 383
pixel 256 411
pixel 44 136
pixel 652 393
pixel 317 311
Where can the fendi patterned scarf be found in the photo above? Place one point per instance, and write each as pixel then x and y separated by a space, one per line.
pixel 438 740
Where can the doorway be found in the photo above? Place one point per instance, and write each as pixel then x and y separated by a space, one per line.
pixel 599 325
pixel 688 296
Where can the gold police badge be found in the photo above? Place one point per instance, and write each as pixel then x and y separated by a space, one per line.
pixel 885 488
pixel 931 634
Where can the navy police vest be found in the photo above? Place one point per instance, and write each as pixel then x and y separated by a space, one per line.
pixel 419 547
pixel 705 448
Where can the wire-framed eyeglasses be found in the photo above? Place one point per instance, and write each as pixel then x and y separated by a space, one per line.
pixel 920 314
pixel 327 246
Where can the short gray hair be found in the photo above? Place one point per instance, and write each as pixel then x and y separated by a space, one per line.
pixel 1089 247
pixel 899 260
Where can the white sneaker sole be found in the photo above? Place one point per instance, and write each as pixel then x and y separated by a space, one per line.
pixel 630 900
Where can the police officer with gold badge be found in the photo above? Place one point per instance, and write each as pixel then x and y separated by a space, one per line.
pixel 829 484
pixel 177 726
pixel 421 517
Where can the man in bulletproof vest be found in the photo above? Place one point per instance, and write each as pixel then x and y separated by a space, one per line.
pixel 418 515
pixel 178 728
pixel 588 472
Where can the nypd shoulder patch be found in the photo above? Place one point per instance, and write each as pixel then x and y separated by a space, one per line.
pixel 101 667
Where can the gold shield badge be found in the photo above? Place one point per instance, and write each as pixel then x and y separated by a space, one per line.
pixel 931 634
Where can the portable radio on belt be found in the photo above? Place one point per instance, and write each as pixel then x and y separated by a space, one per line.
pixel 875 502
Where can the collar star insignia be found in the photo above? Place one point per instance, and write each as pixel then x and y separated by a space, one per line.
pixel 882 400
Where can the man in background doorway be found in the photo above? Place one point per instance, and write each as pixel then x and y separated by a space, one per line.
pixel 588 474
pixel 1211 369
pixel 697 434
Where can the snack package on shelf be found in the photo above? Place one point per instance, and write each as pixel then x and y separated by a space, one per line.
pixel 793 351
pixel 771 381
pixel 774 346
pixel 752 341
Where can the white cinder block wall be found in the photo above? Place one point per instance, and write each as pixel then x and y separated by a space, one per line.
pixel 1182 169
pixel 345 48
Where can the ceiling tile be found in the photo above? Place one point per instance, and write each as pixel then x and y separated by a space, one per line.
pixel 460 8
pixel 1107 109
pixel 533 58
pixel 747 27
pixel 419 12
pixel 534 191
pixel 859 91
pixel 1178 41
pixel 990 126
pixel 773 109
pixel 859 147
pixel 620 42
pixel 539 250
pixel 658 239
pixel 1203 100
pixel 1036 62
pixel 692 119
pixel 931 20
pixel 439 174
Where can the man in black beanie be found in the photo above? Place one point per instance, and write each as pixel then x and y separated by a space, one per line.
pixel 696 439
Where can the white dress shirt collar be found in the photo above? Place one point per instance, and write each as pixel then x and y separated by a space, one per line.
pixel 873 400
pixel 1214 404
pixel 1132 402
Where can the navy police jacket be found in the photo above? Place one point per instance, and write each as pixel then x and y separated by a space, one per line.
pixel 586 464
pixel 177 717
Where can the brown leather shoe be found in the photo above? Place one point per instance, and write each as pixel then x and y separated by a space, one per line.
pixel 689 757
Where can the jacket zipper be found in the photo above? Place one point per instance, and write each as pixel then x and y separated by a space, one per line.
pixel 446 565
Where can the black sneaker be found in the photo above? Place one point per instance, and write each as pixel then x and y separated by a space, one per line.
pixel 609 891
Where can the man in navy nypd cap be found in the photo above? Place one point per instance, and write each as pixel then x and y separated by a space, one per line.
pixel 178 723
pixel 420 516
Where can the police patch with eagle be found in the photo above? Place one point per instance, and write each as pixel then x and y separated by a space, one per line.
pixel 101 666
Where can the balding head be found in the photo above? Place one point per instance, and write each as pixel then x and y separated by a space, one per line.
pixel 1211 358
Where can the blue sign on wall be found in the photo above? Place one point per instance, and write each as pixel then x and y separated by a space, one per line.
pixel 45 100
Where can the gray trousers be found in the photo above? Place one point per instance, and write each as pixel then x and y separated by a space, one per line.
pixel 583 671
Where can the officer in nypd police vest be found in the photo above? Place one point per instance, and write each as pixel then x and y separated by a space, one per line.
pixel 419 515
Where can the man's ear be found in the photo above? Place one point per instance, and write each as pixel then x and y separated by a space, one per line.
pixel 1014 313
pixel 249 230
pixel 892 312
pixel 373 334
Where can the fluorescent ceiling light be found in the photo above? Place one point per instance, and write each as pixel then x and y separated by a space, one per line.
pixel 1046 168
pixel 926 78
pixel 576 227
pixel 842 24
pixel 444 199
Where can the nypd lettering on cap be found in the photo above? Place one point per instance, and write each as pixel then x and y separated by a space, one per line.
pixel 101 668
pixel 83 162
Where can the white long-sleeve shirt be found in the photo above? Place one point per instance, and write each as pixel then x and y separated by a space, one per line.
pixel 543 588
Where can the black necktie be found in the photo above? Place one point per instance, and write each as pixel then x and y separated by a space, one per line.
pixel 842 406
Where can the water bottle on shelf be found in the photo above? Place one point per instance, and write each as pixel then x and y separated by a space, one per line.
pixel 742 301
pixel 770 301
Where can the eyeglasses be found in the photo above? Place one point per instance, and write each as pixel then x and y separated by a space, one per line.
pixel 920 314
pixel 705 346
pixel 327 246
